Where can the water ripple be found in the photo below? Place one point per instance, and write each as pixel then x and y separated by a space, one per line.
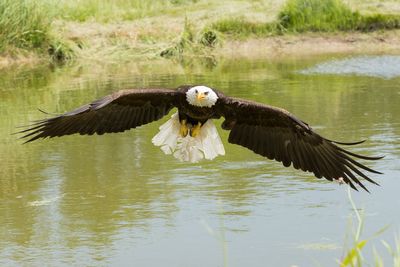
pixel 386 67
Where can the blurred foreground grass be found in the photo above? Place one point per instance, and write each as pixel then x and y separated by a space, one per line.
pixel 353 256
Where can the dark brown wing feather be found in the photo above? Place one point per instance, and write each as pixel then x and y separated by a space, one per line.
pixel 276 134
pixel 113 113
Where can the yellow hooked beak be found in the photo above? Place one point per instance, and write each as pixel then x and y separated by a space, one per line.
pixel 200 96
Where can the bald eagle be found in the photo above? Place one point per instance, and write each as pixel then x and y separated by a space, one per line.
pixel 190 134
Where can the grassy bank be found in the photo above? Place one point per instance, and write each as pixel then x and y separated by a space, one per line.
pixel 26 27
pixel 299 16
pixel 294 17
pixel 331 15
pixel 132 29
pixel 23 24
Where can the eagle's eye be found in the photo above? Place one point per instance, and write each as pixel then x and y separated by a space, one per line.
pixel 206 93
pixel 196 91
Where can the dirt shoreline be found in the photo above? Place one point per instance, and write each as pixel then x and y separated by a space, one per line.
pixel 314 44
pixel 294 45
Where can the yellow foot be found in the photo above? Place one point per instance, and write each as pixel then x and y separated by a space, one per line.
pixel 195 130
pixel 183 131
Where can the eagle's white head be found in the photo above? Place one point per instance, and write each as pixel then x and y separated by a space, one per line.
pixel 201 96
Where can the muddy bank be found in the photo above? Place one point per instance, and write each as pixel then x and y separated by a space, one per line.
pixel 103 50
pixel 314 44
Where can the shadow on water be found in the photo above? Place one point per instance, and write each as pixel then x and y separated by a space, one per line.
pixel 118 200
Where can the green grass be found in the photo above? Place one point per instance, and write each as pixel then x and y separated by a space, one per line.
pixel 23 24
pixel 378 22
pixel 316 15
pixel 26 25
pixel 37 25
pixel 299 16
pixel 116 10
pixel 240 28
pixel 330 16
pixel 353 255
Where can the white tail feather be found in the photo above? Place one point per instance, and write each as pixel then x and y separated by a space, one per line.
pixel 211 142
pixel 207 144
pixel 167 138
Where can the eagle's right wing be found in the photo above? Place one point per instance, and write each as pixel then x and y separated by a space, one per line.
pixel 276 134
pixel 113 113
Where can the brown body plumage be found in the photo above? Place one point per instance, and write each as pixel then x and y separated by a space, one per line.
pixel 268 131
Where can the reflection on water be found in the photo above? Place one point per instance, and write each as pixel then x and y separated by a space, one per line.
pixel 118 200
pixel 375 66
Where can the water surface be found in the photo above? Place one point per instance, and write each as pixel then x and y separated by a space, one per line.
pixel 116 200
pixel 387 66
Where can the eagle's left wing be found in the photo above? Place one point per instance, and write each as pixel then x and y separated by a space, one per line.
pixel 113 113
pixel 276 134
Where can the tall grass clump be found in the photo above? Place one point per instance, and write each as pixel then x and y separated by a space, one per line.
pixel 316 15
pixel 192 43
pixel 299 16
pixel 25 25
pixel 186 42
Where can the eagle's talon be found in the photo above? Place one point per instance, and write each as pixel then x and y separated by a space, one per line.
pixel 184 130
pixel 195 130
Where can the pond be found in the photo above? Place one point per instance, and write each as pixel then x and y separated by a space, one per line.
pixel 117 200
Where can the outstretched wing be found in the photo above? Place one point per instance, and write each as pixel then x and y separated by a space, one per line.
pixel 113 113
pixel 276 134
